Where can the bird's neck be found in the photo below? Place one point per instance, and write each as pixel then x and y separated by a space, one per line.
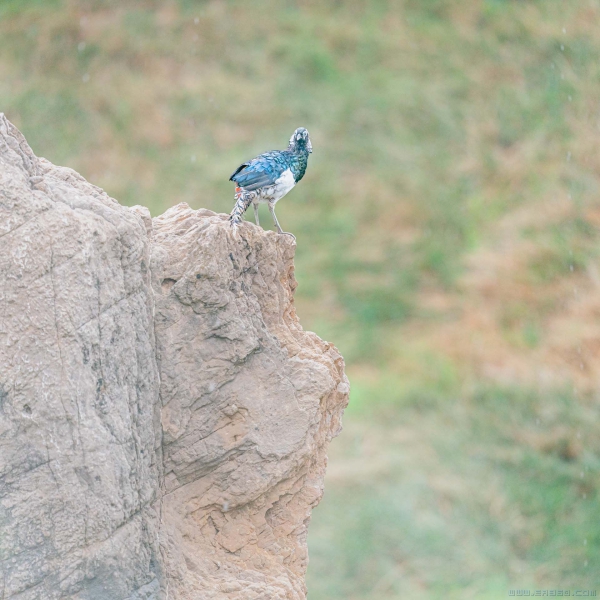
pixel 302 157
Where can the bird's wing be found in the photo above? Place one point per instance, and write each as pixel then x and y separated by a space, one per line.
pixel 260 171
pixel 242 166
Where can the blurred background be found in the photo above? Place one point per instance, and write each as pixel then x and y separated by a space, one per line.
pixel 448 244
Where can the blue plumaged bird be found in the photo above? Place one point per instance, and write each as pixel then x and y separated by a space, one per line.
pixel 269 177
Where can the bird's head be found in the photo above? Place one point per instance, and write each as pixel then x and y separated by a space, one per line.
pixel 300 141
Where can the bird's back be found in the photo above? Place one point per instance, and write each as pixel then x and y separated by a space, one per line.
pixel 263 170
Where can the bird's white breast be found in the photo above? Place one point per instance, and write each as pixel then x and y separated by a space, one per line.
pixel 275 192
pixel 284 184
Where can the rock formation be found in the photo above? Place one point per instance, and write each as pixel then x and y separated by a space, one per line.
pixel 164 418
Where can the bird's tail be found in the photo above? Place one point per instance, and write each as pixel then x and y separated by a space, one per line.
pixel 243 200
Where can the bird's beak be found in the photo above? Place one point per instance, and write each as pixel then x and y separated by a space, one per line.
pixel 309 146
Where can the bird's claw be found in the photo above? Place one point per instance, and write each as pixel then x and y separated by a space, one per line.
pixel 287 233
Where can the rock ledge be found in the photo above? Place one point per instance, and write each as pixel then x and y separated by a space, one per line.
pixel 164 418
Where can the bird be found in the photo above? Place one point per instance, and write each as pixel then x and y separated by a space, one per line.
pixel 269 177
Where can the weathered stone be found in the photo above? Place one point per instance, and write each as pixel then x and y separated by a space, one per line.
pixel 163 416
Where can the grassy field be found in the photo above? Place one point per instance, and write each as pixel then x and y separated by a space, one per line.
pixel 448 243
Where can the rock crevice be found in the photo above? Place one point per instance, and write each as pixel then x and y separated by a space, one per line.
pixel 163 416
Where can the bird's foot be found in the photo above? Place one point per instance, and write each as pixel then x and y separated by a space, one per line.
pixel 287 233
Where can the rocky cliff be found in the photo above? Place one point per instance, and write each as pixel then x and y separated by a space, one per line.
pixel 164 418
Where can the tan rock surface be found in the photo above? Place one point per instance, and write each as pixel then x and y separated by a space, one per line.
pixel 163 416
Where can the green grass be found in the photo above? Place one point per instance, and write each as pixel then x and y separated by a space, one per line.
pixel 392 93
pixel 469 494
pixel 442 131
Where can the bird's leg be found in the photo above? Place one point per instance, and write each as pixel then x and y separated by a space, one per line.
pixel 272 210
pixel 255 206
